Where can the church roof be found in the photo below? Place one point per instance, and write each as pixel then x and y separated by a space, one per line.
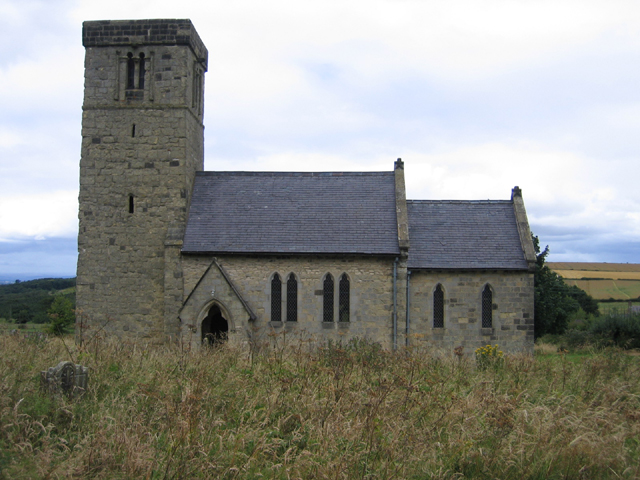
pixel 464 235
pixel 293 213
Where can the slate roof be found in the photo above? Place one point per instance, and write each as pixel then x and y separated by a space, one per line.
pixel 452 234
pixel 293 213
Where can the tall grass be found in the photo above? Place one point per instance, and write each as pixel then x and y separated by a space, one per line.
pixel 330 412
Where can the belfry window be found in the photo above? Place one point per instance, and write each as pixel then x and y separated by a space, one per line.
pixel 141 71
pixel 131 71
pixel 343 299
pixel 327 299
pixel 136 72
pixel 276 299
pixel 438 307
pixel 487 307
pixel 292 299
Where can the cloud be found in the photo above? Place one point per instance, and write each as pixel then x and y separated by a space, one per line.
pixel 50 214
pixel 475 96
pixel 27 259
pixel 562 190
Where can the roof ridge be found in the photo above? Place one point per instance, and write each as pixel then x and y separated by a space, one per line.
pixel 292 174
pixel 459 201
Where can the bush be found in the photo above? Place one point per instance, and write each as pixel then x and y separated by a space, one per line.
pixel 620 330
pixel 489 357
pixel 61 314
pixel 578 339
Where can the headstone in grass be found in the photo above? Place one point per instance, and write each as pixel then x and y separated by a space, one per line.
pixel 66 377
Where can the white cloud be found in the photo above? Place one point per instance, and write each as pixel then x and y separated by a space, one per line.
pixel 477 96
pixel 10 138
pixel 561 189
pixel 51 214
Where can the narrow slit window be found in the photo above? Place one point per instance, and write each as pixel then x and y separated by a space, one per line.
pixel 438 307
pixel 276 299
pixel 292 299
pixel 327 299
pixel 487 307
pixel 343 299
pixel 131 204
pixel 133 130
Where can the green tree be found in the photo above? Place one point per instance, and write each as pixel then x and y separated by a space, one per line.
pixel 554 300
pixel 23 315
pixel 588 304
pixel 61 314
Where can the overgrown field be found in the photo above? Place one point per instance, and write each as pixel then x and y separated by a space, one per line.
pixel 620 281
pixel 331 412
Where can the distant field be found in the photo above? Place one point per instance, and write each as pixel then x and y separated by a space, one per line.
pixel 595 267
pixel 620 281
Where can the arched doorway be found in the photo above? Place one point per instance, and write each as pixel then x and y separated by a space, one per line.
pixel 214 327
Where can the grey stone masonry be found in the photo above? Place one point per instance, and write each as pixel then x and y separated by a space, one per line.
pixel 523 228
pixel 142 144
pixel 241 287
pixel 102 33
pixel 512 310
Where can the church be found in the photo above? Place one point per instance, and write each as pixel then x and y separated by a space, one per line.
pixel 169 252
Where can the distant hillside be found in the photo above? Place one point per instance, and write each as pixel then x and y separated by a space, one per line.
pixel 29 301
pixel 603 281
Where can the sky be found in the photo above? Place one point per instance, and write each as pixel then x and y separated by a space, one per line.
pixel 476 96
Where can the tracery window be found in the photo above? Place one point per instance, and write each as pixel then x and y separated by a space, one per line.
pixel 276 299
pixel 327 299
pixel 438 307
pixel 292 299
pixel 487 307
pixel 343 299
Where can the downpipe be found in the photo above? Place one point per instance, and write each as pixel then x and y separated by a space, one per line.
pixel 406 337
pixel 395 304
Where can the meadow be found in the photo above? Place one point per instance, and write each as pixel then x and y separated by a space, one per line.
pixel 619 281
pixel 292 411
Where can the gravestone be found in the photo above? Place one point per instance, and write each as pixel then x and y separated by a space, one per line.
pixel 67 378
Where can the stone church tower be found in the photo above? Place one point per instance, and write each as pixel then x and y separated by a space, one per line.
pixel 142 144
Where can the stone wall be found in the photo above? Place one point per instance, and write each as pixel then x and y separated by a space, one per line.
pixel 512 310
pixel 140 150
pixel 371 296
pixel 371 302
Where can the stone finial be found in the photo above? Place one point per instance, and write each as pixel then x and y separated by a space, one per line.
pixel 516 192
pixel 399 164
